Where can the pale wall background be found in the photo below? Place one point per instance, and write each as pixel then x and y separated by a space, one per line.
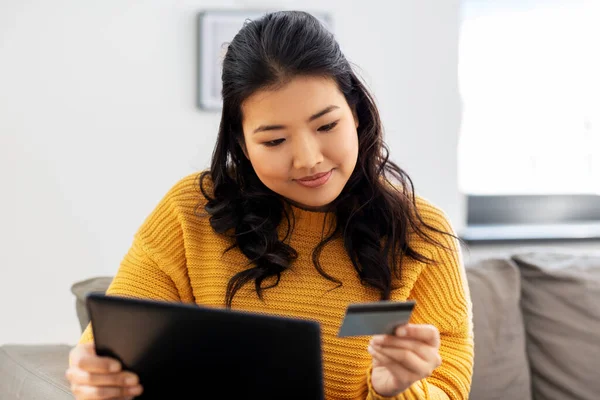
pixel 98 120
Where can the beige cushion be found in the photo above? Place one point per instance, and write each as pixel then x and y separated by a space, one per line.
pixel 34 372
pixel 561 305
pixel 501 370
pixel 81 289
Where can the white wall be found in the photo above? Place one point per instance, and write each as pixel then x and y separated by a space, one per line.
pixel 98 120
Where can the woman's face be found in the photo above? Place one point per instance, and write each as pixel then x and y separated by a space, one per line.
pixel 301 140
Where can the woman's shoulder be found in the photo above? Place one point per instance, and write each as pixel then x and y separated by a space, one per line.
pixel 182 200
pixel 422 209
pixel 431 225
pixel 432 214
pixel 190 189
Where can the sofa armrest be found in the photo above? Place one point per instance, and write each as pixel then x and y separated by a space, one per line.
pixel 32 372
pixel 81 289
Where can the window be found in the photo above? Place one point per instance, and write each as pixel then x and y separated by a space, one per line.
pixel 529 78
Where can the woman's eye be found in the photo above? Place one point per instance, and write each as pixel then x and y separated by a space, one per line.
pixel 273 143
pixel 328 127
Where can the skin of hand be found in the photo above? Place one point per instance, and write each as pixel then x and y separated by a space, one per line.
pixel 98 378
pixel 400 360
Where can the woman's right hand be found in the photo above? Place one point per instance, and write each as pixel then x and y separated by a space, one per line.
pixel 95 377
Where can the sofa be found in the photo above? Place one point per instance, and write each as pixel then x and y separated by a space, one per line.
pixel 536 321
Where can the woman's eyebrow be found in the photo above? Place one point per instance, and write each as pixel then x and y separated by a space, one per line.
pixel 324 111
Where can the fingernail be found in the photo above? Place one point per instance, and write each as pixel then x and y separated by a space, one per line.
pixel 401 332
pixel 114 367
pixel 370 349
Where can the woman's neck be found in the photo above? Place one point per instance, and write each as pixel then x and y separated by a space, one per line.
pixel 320 209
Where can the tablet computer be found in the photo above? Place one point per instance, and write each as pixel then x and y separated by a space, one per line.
pixel 182 350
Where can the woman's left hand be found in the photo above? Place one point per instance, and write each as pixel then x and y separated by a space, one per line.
pixel 400 360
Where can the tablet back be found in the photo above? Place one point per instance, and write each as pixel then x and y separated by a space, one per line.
pixel 177 349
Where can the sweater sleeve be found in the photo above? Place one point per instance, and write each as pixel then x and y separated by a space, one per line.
pixel 138 276
pixel 155 266
pixel 442 299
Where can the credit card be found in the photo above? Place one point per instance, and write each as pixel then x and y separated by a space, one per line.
pixel 376 318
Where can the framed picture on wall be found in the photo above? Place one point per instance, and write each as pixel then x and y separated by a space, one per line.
pixel 216 28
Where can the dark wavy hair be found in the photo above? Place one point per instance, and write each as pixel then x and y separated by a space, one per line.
pixel 376 211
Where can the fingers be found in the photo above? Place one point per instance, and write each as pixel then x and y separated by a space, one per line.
pixel 422 350
pixel 80 377
pixel 424 333
pixel 93 377
pixel 391 357
pixel 104 392
pixel 414 348
pixel 86 385
pixel 402 372
pixel 428 334
pixel 84 357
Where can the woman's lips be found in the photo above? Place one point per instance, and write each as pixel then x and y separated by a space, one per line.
pixel 315 181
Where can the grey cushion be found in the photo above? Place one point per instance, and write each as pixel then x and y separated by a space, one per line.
pixel 561 306
pixel 34 372
pixel 81 289
pixel 501 369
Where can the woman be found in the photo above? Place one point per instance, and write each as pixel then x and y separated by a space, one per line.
pixel 301 214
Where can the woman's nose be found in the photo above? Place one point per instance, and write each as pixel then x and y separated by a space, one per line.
pixel 307 152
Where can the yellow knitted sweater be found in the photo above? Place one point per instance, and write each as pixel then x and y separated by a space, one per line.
pixel 176 256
